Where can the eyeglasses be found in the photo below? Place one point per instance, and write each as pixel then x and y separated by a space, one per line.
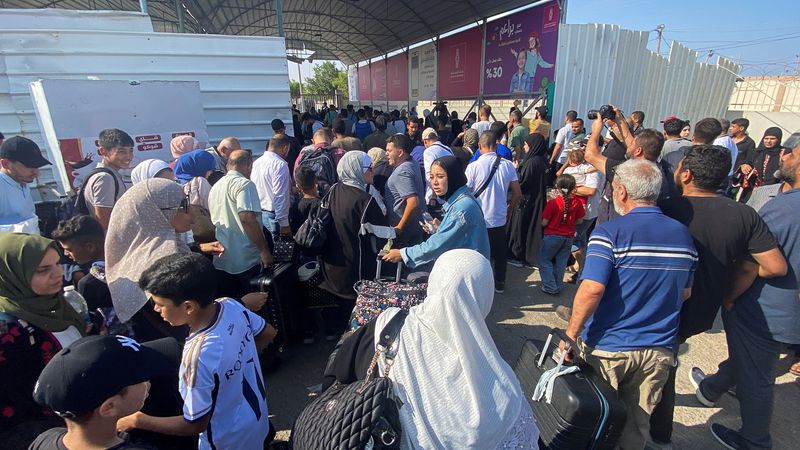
pixel 184 206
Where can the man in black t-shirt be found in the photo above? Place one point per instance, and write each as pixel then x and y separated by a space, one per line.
pixel 744 143
pixel 724 232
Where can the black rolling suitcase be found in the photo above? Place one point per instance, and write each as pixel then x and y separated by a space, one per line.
pixel 278 282
pixel 585 412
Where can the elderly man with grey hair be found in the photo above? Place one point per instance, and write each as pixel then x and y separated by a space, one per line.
pixel 639 270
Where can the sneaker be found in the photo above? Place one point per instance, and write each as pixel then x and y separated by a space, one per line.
pixel 696 376
pixel 564 312
pixel 516 263
pixel 499 287
pixel 549 292
pixel 728 438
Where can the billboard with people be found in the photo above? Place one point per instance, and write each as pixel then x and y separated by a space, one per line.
pixel 521 52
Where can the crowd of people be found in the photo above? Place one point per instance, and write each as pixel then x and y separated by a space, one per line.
pixel 662 229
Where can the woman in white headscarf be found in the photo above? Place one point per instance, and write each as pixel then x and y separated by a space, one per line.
pixel 144 227
pixel 346 258
pixel 456 390
pixel 151 168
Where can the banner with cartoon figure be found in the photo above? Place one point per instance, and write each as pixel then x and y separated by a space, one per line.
pixel 521 52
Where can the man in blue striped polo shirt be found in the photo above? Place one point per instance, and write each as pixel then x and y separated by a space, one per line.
pixel 639 270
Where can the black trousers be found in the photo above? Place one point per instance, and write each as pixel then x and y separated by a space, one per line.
pixel 498 249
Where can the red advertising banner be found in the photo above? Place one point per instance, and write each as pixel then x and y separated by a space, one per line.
pixel 364 91
pixel 459 64
pixel 397 77
pixel 521 52
pixel 378 81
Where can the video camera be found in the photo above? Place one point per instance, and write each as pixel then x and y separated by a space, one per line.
pixel 606 112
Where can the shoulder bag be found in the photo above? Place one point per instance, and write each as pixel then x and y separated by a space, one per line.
pixel 361 415
pixel 313 232
pixel 491 175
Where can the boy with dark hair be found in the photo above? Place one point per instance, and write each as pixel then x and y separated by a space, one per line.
pixel 104 185
pixel 672 135
pixel 220 375
pixel 96 381
pixel 83 240
pixel 306 181
pixel 744 143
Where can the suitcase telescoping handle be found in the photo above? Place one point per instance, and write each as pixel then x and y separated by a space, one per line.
pixel 396 277
pixel 563 336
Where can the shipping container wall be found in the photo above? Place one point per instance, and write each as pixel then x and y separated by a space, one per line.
pixel 244 81
pixel 599 64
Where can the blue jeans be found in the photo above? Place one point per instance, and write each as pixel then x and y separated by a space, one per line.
pixel 271 225
pixel 553 256
pixel 752 357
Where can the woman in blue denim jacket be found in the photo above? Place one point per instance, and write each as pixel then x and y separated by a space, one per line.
pixel 462 225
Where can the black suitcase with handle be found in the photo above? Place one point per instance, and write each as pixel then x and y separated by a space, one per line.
pixel 585 411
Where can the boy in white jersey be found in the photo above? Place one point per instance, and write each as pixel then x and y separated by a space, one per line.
pixel 220 377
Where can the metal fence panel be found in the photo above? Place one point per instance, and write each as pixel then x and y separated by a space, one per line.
pixel 600 63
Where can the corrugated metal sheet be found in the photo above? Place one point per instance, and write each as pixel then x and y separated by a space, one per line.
pixel 604 64
pixel 244 81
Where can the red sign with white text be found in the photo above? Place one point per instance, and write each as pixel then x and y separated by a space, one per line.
pixel 378 81
pixel 364 91
pixel 460 64
pixel 397 78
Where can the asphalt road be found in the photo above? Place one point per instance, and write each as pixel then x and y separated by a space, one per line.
pixel 524 312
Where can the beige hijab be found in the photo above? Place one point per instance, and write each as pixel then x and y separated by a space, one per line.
pixel 138 234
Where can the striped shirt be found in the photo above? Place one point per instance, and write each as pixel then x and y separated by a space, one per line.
pixel 645 260
pixel 220 375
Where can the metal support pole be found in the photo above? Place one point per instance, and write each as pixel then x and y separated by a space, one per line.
pixel 386 80
pixel 143 7
pixel 279 16
pixel 371 100
pixel 483 63
pixel 179 12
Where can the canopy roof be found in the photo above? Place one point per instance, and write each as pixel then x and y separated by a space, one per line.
pixel 348 30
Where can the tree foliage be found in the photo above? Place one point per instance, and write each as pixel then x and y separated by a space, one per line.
pixel 294 88
pixel 327 78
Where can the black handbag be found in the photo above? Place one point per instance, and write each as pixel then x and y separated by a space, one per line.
pixel 313 232
pixel 364 414
pixel 283 249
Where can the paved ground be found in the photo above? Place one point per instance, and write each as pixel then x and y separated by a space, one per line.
pixel 523 312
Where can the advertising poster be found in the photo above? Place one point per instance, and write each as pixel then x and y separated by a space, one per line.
pixel 72 113
pixel 352 83
pixel 459 64
pixel 397 77
pixel 378 81
pixel 422 72
pixel 521 52
pixel 364 90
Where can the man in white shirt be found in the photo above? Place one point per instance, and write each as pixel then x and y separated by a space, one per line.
pixel 20 160
pixel 433 151
pixel 562 139
pixel 491 188
pixel 485 113
pixel 725 140
pixel 273 183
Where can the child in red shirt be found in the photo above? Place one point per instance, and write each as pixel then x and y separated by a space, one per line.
pixel 559 218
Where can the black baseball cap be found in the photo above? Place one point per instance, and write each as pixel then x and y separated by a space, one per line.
pixel 92 369
pixel 23 150
pixel 277 124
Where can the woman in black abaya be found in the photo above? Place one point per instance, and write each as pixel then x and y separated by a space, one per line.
pixel 765 161
pixel 525 231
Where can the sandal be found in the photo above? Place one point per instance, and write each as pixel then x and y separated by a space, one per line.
pixel 795 369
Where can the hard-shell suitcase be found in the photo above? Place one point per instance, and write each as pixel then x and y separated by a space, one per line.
pixel 585 411
pixel 277 282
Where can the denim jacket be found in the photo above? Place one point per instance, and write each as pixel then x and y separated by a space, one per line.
pixel 462 227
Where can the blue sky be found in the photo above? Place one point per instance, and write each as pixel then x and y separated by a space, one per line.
pixel 725 26
pixel 734 28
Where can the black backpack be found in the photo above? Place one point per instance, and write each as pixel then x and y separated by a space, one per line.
pixel 75 204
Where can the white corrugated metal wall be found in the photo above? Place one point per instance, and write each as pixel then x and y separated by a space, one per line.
pixel 601 64
pixel 244 81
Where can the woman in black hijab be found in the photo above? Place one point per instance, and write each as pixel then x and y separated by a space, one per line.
pixel 462 225
pixel 767 157
pixel 525 231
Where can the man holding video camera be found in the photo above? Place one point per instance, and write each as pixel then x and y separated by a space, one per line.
pixel 647 144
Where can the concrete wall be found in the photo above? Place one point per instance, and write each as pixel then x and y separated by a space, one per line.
pixel 789 122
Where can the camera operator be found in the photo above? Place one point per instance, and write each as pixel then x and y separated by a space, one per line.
pixel 646 144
